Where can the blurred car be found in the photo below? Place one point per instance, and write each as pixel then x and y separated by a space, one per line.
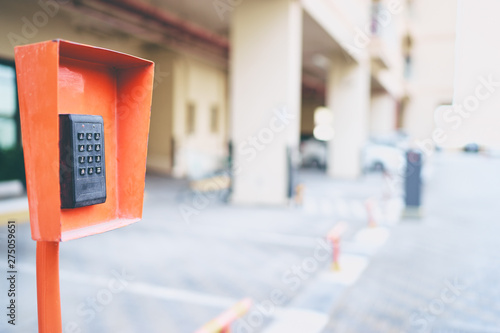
pixel 472 148
pixel 396 139
pixel 383 158
pixel 313 153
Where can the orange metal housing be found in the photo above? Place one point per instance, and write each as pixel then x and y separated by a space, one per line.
pixel 57 77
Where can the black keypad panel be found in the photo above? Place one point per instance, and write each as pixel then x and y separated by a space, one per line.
pixel 83 179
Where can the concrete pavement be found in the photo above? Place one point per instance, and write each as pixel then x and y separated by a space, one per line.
pixel 439 274
pixel 178 274
pixel 164 274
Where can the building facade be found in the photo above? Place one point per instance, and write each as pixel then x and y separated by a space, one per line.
pixel 238 82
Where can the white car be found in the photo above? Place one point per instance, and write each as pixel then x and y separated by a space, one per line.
pixel 313 153
pixel 383 158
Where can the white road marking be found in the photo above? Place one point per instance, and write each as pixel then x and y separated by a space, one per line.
pixel 326 207
pixel 394 210
pixel 185 296
pixel 310 206
pixel 374 237
pixel 13 205
pixel 351 268
pixel 143 289
pixel 273 238
pixel 297 321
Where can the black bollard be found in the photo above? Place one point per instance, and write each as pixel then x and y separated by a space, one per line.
pixel 413 183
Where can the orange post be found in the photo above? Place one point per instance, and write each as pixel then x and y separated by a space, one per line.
pixel 299 194
pixel 47 276
pixel 61 77
pixel 334 237
pixel 222 324
pixel 336 254
pixel 372 223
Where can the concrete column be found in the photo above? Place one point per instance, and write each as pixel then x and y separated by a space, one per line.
pixel 265 74
pixel 161 128
pixel 429 83
pixel 348 96
pixel 475 115
pixel 383 108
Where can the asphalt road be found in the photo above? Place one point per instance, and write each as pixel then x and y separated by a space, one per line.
pixel 172 274
pixel 169 273
pixel 441 273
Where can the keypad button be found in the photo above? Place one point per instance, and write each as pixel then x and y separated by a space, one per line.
pixel 89 147
pixel 81 147
pixel 81 159
pixel 81 136
pixel 98 158
pixel 98 170
pixel 90 159
pixel 89 136
pixel 97 148
pixel 90 171
pixel 82 171
pixel 97 136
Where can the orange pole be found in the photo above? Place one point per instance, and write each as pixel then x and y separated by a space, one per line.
pixel 334 237
pixel 47 280
pixel 369 210
pixel 299 194
pixel 222 324
pixel 336 253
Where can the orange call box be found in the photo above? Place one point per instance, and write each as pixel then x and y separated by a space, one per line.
pixel 106 96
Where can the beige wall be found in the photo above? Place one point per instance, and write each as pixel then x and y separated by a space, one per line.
pixel 186 80
pixel 348 96
pixel 386 47
pixel 205 87
pixel 161 127
pixel 309 105
pixel 346 21
pixel 265 68
pixel 383 109
pixel 433 25
pixel 476 116
pixel 178 79
pixel 61 26
pixel 64 25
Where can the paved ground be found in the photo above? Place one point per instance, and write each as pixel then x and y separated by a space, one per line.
pixel 439 274
pixel 180 273
pixel 177 275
